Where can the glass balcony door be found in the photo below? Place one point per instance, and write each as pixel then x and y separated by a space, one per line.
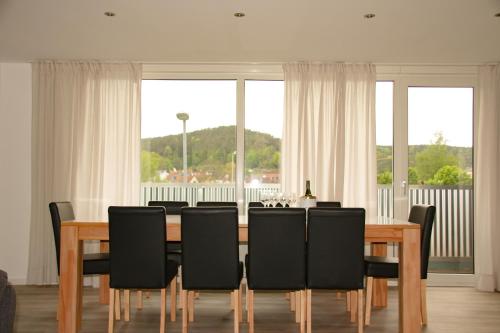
pixel 433 164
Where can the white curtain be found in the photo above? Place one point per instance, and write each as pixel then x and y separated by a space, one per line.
pixel 329 133
pixel 85 147
pixel 487 179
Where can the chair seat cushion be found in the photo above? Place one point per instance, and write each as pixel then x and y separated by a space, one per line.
pixel 96 263
pixel 382 267
pixel 172 270
pixel 215 283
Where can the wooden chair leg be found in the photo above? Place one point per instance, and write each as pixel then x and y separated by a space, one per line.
pixel 303 309
pixel 423 301
pixel 190 305
pixel 181 299
pixel 297 306
pixel 111 319
pixel 173 298
pixel 163 309
pixel 231 297
pixel 348 301
pixel 184 298
pixel 354 305
pixel 360 311
pixel 240 303
pixel 126 297
pixel 148 294
pixel 250 311
pixel 118 306
pixel 369 293
pixel 139 304
pixel 236 302
pixel 292 301
pixel 338 294
pixel 309 310
pixel 246 299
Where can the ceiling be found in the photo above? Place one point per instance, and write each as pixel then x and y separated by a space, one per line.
pixel 403 31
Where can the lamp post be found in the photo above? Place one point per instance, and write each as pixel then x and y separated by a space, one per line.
pixel 184 116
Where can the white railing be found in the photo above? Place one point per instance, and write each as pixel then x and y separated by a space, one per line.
pixel 453 231
pixel 193 193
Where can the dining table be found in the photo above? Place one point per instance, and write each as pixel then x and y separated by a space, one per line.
pixel 378 232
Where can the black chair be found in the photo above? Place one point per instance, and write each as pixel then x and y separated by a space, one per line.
pixel 335 255
pixel 7 304
pixel 93 263
pixel 216 204
pixel 210 256
pixel 255 204
pixel 388 267
pixel 328 204
pixel 172 208
pixel 276 257
pixel 137 256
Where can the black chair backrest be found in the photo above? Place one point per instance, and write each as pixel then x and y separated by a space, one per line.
pixel 276 248
pixel 255 204
pixel 216 204
pixel 424 215
pixel 328 204
pixel 171 207
pixel 60 211
pixel 137 256
pixel 210 248
pixel 335 248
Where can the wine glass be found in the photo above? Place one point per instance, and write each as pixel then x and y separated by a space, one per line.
pixel 264 198
pixel 293 199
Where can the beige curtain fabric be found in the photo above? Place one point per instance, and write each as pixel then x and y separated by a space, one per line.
pixel 86 147
pixel 329 133
pixel 487 180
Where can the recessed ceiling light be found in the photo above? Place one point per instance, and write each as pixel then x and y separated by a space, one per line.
pixel 239 14
pixel 110 14
pixel 369 16
pixel 497 15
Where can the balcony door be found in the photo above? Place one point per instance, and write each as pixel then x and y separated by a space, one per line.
pixel 433 164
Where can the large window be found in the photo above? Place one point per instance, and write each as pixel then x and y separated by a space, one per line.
pixel 440 170
pixel 384 117
pixel 263 131
pixel 188 131
pixel 190 149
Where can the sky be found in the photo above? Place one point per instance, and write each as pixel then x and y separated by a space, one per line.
pixel 209 104
pixel 212 103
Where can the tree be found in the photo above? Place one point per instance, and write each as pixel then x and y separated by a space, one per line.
pixel 384 178
pixel 433 158
pixel 150 163
pixel 412 176
pixel 451 175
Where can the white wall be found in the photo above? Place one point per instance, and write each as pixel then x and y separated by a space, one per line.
pixel 15 168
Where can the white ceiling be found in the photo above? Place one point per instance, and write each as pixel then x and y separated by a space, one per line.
pixel 403 31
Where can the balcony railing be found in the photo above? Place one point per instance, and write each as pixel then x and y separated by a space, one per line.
pixel 453 233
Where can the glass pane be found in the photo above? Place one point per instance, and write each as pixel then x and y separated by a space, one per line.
pixel 263 131
pixel 205 171
pixel 384 112
pixel 440 123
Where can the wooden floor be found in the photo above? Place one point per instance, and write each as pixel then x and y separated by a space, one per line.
pixel 457 310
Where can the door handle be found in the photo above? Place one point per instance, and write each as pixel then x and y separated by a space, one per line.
pixel 404 186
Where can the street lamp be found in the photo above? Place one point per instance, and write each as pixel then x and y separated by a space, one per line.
pixel 184 116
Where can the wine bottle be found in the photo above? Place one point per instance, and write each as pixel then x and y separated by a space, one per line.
pixel 308 194
pixel 307 200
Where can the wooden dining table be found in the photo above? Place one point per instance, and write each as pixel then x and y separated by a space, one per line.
pixel 378 232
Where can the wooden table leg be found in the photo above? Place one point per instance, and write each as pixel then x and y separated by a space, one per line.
pixel 409 282
pixel 104 279
pixel 379 298
pixel 70 272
